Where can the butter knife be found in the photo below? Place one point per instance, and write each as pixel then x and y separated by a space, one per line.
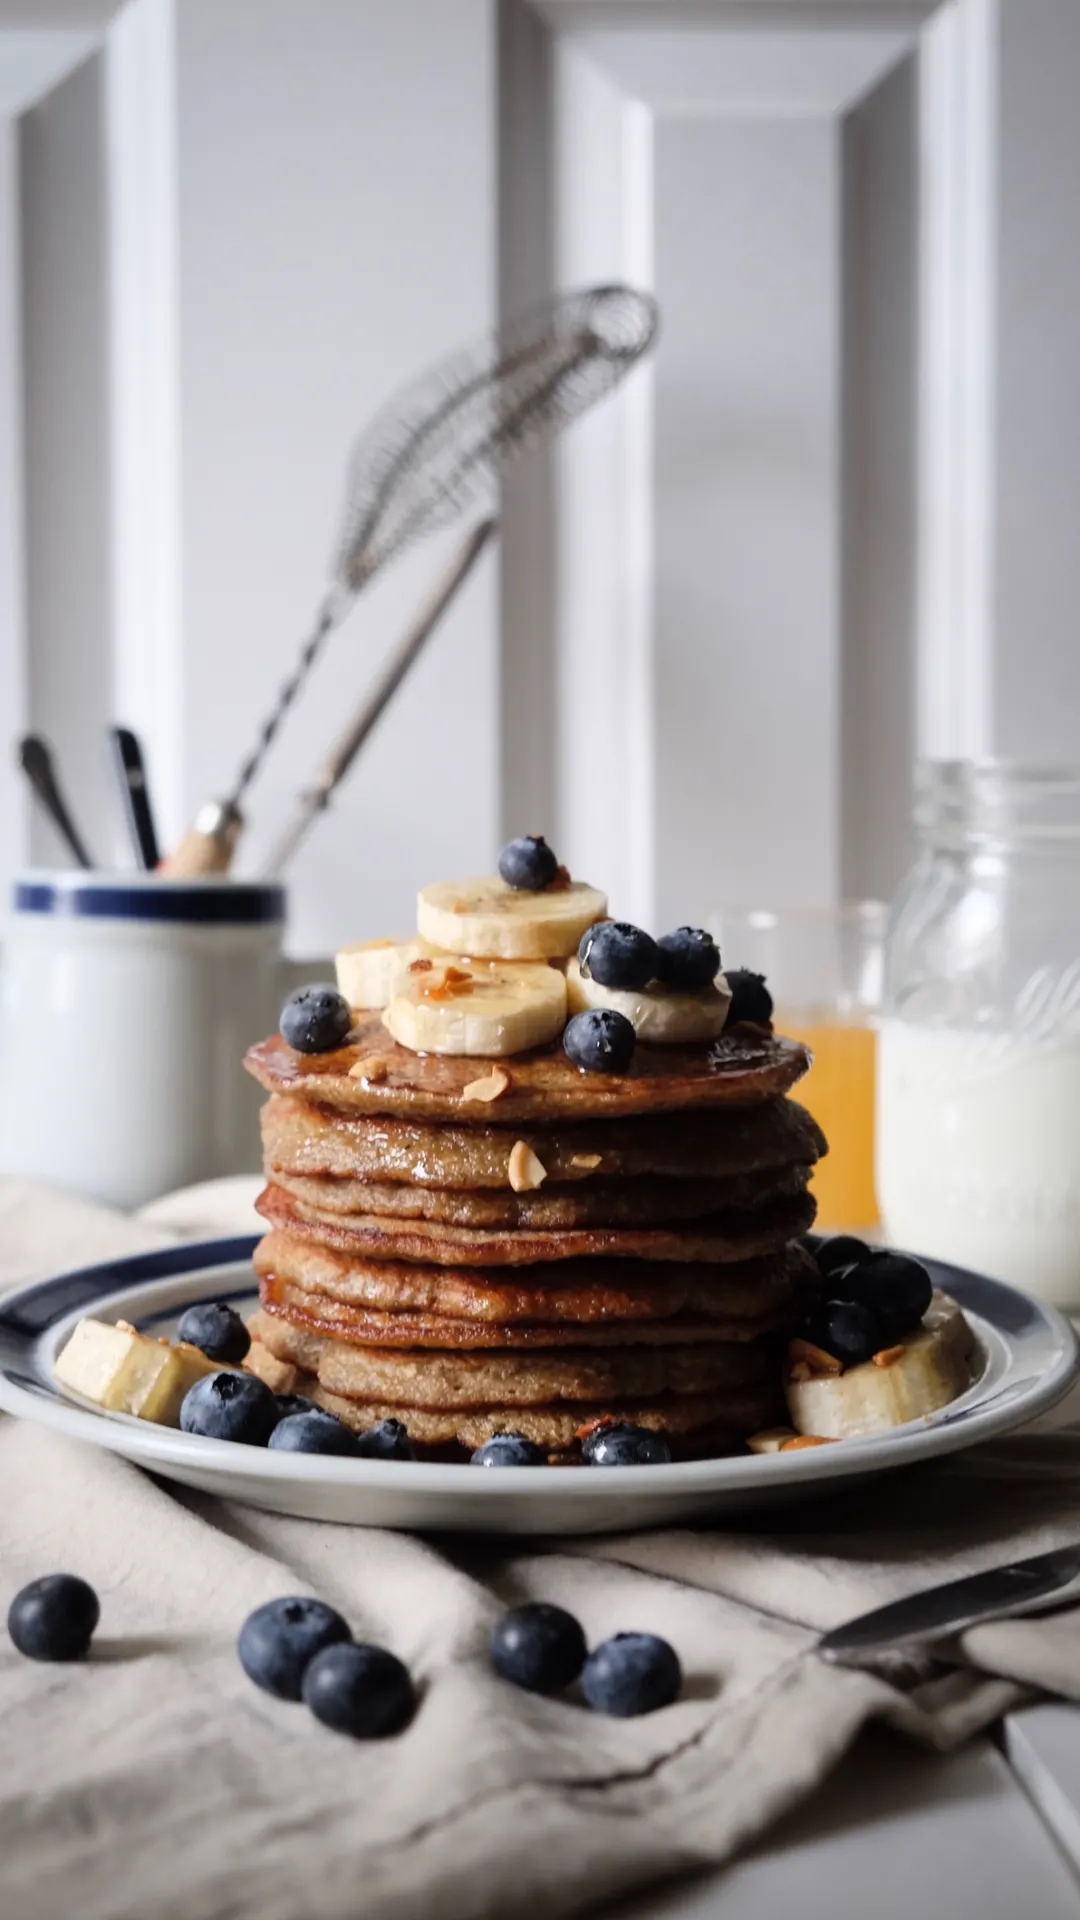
pixel 1024 1586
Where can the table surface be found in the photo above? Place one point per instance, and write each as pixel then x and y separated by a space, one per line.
pixel 991 1832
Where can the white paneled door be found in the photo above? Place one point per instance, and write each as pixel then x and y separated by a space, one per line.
pixel 829 526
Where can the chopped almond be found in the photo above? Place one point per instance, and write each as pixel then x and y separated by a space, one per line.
pixel 815 1358
pixel 888 1356
pixel 373 1069
pixel 420 966
pixel 488 1087
pixel 770 1439
pixel 587 1160
pixel 560 882
pixel 448 985
pixel 799 1372
pixel 526 1171
pixel 806 1440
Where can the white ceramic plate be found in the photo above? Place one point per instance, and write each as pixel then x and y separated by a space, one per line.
pixel 1027 1361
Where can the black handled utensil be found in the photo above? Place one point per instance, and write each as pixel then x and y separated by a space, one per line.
pixel 131 773
pixel 36 760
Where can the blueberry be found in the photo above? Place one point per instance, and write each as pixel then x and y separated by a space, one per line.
pixel 509 1450
pixel 848 1331
pixel 842 1251
pixel 361 1690
pixel 896 1289
pixel 313 1432
pixel 528 863
pixel 620 1444
pixel 230 1406
pixel 618 955
pixel 538 1647
pixel 600 1041
pixel 278 1640
pixel 633 1673
pixel 689 959
pixel 288 1403
pixel 315 1019
pixel 388 1441
pixel 750 998
pixel 54 1617
pixel 214 1327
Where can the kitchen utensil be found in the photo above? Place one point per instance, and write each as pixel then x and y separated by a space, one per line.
pixel 342 755
pixel 131 774
pixel 433 453
pixel 1024 1586
pixel 38 764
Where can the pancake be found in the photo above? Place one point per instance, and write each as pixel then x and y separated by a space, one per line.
pixel 607 1203
pixel 578 1291
pixel 303 1138
pixel 745 1065
pixel 367 1326
pixel 694 1422
pixel 724 1237
pixel 505 1378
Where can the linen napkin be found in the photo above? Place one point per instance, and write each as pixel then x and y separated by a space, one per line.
pixel 154 1779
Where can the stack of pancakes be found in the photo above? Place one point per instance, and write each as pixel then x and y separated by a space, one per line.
pixel 480 1247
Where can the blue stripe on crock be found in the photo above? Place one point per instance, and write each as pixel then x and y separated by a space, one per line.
pixel 206 905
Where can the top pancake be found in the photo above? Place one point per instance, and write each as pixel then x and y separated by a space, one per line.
pixel 743 1066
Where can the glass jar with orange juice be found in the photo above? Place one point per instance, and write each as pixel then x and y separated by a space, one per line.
pixel 824 971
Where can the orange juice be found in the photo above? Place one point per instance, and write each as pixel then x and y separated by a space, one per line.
pixel 839 1091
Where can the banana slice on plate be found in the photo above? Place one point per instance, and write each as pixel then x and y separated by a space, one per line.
pixel 917 1376
pixel 368 971
pixel 656 1014
pixel 125 1371
pixel 484 1009
pixel 491 921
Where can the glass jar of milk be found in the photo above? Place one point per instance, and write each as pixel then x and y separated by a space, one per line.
pixel 978 1124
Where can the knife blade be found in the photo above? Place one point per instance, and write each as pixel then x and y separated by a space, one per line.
pixel 1020 1587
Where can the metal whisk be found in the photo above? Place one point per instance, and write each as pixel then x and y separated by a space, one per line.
pixel 432 454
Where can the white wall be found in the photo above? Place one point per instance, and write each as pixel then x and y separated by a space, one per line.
pixel 705 680
pixel 1037 386
pixel 336 197
pixel 13 810
pixel 64 359
pixel 747 517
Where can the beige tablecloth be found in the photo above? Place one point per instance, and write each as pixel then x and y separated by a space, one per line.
pixel 154 1782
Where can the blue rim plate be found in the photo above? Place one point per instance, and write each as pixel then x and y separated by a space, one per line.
pixel 1028 1359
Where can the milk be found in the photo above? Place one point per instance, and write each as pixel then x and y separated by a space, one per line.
pixel 978 1152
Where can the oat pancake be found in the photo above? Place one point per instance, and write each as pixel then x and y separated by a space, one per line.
pixel 607 1203
pixel 729 1236
pixel 577 1291
pixel 368 1326
pixel 745 1065
pixel 698 1418
pixel 411 1377
pixel 300 1137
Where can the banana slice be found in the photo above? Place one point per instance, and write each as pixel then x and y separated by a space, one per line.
pixel 917 1377
pixel 368 971
pixel 491 921
pixel 482 1008
pixel 125 1371
pixel 666 1019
